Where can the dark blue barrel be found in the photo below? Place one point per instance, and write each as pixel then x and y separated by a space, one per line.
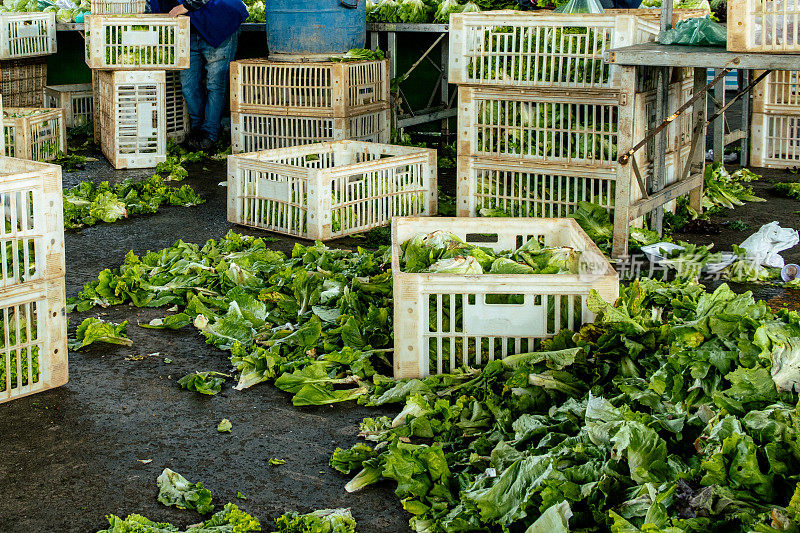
pixel 314 29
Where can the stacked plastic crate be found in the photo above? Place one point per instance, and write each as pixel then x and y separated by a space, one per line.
pixel 278 105
pixel 129 56
pixel 775 126
pixel 542 119
pixel 29 131
pixel 25 38
pixel 33 320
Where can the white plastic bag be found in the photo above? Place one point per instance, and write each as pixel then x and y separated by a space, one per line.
pixel 765 244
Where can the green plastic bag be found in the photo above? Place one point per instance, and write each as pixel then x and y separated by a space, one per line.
pixel 701 31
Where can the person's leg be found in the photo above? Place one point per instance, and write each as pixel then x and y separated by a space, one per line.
pixel 218 62
pixel 192 83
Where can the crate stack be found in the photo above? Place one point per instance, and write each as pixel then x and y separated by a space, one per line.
pixel 29 131
pixel 775 126
pixel 132 57
pixel 542 119
pixel 25 40
pixel 33 320
pixel 278 105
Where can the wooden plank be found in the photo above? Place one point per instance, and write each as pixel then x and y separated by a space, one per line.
pixel 734 136
pixel 659 55
pixel 670 193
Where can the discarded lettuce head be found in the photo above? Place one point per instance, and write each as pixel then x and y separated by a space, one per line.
pixel 423 250
pixel 457 265
pixel 323 520
pixel 504 265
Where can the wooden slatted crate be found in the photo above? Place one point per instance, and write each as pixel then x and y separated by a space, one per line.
pixel 177 119
pixel 329 190
pixel 252 132
pixel 22 81
pixel 27 35
pixel 132 117
pixel 76 101
pixel 318 89
pixel 37 134
pixel 443 321
pixel 137 42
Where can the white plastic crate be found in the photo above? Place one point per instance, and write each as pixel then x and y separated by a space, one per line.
pixel 118 7
pixel 779 92
pixel 132 117
pixel 177 115
pixel 22 81
pixel 554 127
pixel 137 42
pixel 514 188
pixel 32 237
pixel 542 49
pixel 763 26
pixel 74 99
pixel 775 140
pixel 318 89
pixel 33 338
pixel 252 132
pixel 27 35
pixel 328 190
pixel 37 134
pixel 444 321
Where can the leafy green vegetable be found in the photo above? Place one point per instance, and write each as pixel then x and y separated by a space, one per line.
pixel 443 252
pixel 322 521
pixel 86 204
pixel 230 520
pixel 360 54
pixel 175 490
pixel 224 426
pixel 672 401
pixel 96 330
pixel 788 190
pixel 209 383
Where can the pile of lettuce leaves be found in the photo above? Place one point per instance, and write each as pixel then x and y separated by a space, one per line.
pixel 676 411
pixel 88 204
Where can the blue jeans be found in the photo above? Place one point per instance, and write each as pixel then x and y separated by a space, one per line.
pixel 206 104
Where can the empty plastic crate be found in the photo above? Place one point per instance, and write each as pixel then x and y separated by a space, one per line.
pixel 132 117
pixel 319 89
pixel 27 35
pixel 328 190
pixel 75 100
pixel 254 131
pixel 443 321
